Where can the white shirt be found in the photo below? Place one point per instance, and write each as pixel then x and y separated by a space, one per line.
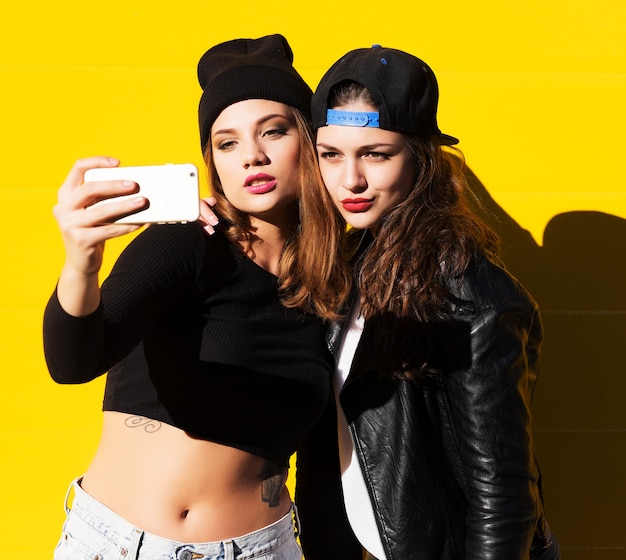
pixel 356 497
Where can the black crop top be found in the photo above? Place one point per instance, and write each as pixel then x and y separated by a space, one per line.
pixel 193 334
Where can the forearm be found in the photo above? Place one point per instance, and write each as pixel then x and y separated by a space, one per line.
pixel 504 525
pixel 78 292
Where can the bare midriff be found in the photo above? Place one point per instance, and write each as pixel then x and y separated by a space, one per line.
pixel 170 484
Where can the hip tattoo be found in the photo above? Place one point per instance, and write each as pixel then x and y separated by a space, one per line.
pixel 273 478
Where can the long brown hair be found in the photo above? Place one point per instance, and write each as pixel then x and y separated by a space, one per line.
pixel 431 237
pixel 311 275
pixel 428 239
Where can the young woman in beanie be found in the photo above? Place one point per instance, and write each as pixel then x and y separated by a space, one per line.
pixel 437 359
pixel 214 345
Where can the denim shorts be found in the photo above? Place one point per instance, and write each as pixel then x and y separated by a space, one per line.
pixel 94 532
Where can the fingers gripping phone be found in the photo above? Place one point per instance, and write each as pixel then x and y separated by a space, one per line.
pixel 171 189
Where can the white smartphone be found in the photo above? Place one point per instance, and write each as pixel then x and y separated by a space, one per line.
pixel 171 189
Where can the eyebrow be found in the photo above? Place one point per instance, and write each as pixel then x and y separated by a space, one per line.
pixel 366 147
pixel 260 121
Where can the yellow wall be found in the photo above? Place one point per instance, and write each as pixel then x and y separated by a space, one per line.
pixel 535 91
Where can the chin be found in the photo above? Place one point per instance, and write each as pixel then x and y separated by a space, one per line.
pixel 355 221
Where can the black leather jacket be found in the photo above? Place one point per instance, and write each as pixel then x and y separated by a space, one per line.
pixel 449 462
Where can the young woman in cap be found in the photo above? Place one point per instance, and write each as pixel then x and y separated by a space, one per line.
pixel 214 345
pixel 438 359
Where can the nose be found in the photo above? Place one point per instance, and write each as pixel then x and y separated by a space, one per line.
pixel 353 177
pixel 254 155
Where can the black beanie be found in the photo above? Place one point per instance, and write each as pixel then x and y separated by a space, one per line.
pixel 248 69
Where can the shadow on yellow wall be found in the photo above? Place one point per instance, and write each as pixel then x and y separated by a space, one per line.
pixel 578 278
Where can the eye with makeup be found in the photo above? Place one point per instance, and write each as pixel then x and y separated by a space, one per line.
pixel 276 130
pixel 328 155
pixel 377 156
pixel 225 145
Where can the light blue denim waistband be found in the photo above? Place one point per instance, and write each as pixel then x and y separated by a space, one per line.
pixel 134 543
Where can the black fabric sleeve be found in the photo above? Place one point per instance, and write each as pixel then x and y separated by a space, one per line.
pixel 148 277
pixel 70 342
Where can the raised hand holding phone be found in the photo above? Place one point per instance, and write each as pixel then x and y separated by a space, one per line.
pixel 171 190
pixel 84 230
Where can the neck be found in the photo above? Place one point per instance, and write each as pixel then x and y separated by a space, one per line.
pixel 268 246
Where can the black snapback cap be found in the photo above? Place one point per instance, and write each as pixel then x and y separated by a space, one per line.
pixel 403 87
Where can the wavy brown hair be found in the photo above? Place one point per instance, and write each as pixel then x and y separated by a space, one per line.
pixel 428 239
pixel 431 236
pixel 311 274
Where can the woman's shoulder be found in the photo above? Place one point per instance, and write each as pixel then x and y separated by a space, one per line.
pixel 487 284
pixel 163 232
pixel 182 246
pixel 183 237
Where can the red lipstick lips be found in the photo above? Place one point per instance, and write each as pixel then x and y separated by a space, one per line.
pixel 260 183
pixel 357 204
